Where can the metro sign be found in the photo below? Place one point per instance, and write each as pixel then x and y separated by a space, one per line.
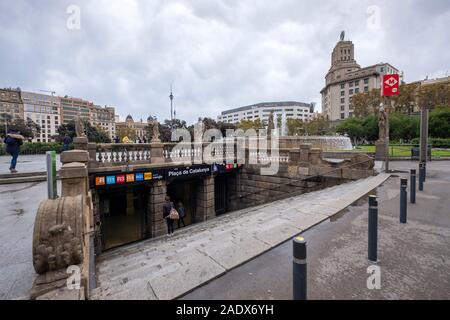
pixel 390 85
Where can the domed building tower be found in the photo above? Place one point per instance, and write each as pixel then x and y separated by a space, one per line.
pixel 129 119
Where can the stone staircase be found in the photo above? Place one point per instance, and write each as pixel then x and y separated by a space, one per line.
pixel 166 268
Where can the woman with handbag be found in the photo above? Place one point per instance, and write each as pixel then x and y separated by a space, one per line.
pixel 170 214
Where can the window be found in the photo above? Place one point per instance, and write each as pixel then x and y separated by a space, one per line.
pixel 342 116
pixel 342 93
pixel 356 90
pixel 356 83
pixel 350 84
pixel 366 89
pixel 350 114
pixel 342 86
pixel 366 81
pixel 350 91
pixel 342 100
pixel 342 108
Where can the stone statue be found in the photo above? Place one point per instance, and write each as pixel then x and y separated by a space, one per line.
pixel 155 129
pixel 342 35
pixel 382 121
pixel 79 128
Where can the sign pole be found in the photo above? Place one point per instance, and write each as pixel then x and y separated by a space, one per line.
pixel 388 110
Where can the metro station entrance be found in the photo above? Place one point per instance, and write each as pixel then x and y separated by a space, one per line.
pixel 184 191
pixel 123 218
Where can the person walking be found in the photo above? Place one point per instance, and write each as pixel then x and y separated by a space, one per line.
pixel 182 214
pixel 67 141
pixel 13 142
pixel 167 208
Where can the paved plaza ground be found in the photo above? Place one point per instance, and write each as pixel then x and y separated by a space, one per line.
pixel 414 258
pixel 27 163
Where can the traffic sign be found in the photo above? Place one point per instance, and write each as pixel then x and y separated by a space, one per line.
pixel 390 85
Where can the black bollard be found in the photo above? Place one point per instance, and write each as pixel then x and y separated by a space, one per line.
pixel 420 176
pixel 403 200
pixel 373 228
pixel 413 186
pixel 299 268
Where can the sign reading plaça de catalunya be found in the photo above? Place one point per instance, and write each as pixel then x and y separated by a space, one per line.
pixel 188 171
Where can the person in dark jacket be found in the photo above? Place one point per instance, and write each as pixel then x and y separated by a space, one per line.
pixel 182 214
pixel 167 207
pixel 13 142
pixel 67 141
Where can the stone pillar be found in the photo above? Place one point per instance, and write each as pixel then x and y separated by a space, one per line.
pixel 156 225
pixel 156 152
pixel 73 173
pixel 304 154
pixel 205 200
pixel 315 156
pixel 80 143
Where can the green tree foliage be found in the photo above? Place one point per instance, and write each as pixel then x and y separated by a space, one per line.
pixel 28 128
pixel 353 127
pixel 296 127
pixel 318 127
pixel 403 128
pixel 439 123
pixel 94 134
pixel 249 124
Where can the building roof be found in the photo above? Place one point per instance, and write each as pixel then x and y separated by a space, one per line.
pixel 268 105
pixel 129 118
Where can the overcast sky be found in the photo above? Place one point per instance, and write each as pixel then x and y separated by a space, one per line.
pixel 218 54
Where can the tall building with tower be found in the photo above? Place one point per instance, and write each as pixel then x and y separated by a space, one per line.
pixel 346 78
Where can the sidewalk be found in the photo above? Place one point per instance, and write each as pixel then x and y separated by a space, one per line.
pixel 414 259
pixel 167 268
pixel 27 164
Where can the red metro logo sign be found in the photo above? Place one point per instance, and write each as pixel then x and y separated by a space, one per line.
pixel 390 85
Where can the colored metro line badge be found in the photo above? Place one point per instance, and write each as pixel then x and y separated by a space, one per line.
pixel 110 180
pixel 100 181
pixel 120 179
pixel 139 176
pixel 148 176
pixel 130 177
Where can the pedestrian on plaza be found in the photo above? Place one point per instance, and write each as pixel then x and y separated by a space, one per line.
pixel 182 214
pixel 67 141
pixel 13 142
pixel 168 206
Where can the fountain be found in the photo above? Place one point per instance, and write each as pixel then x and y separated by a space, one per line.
pixel 323 142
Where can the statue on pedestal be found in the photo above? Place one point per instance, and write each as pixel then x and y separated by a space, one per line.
pixel 155 130
pixel 79 127
pixel 382 125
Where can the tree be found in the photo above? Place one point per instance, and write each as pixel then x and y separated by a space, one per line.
pixel 366 103
pixel 439 123
pixel 93 134
pixel 123 132
pixel 403 127
pixel 249 124
pixel 318 127
pixel 28 128
pixel 353 127
pixel 296 127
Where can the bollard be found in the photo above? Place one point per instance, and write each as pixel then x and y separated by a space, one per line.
pixel 403 200
pixel 373 228
pixel 299 268
pixel 420 176
pixel 413 186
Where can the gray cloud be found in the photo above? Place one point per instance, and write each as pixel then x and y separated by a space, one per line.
pixel 218 54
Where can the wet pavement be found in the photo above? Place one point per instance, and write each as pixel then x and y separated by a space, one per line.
pixel 27 163
pixel 414 259
pixel 19 204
